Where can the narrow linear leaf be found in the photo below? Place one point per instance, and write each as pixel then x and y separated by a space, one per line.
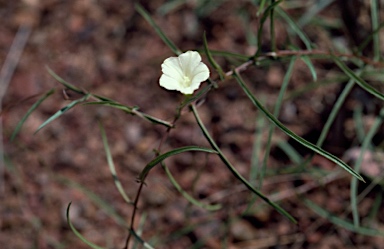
pixel 310 66
pixel 247 18
pixel 257 149
pixel 139 239
pixel 132 111
pixel 234 171
pixel 313 11
pixel 342 223
pixel 211 60
pixel 62 111
pixel 362 83
pixel 375 210
pixel 375 24
pixel 112 165
pixel 105 206
pixel 205 8
pixel 63 82
pixel 149 19
pixel 291 134
pixel 335 110
pixel 102 98
pixel 33 107
pixel 170 6
pixel 314 85
pixel 97 200
pixel 140 229
pixel 74 230
pixel 295 28
pixel 279 102
pixel 109 102
pixel 291 152
pixel 262 21
pixel 369 38
pixel 156 120
pixel 261 7
pixel 185 194
pixel 365 146
pixel 162 157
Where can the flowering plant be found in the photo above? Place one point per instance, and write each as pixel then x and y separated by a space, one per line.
pixel 184 73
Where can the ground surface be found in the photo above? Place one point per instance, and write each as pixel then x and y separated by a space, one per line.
pixel 107 48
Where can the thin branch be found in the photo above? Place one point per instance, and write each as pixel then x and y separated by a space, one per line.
pixel 6 73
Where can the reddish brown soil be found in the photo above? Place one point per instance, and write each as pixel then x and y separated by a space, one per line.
pixel 107 48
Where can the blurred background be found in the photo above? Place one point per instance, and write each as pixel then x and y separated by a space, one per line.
pixel 108 48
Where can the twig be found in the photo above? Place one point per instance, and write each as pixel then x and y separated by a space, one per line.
pixel 282 53
pixel 6 74
pixel 142 182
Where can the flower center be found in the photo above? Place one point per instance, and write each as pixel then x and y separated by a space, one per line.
pixel 186 81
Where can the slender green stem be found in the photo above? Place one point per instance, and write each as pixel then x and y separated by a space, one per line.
pixel 375 25
pixel 232 168
pixel 272 24
pixel 354 182
pixel 185 194
pixel 293 135
pixel 276 112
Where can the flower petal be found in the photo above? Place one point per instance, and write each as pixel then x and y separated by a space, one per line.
pixel 184 73
pixel 200 73
pixel 189 61
pixel 171 67
pixel 169 82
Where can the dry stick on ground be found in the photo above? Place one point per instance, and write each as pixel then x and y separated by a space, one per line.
pixel 6 74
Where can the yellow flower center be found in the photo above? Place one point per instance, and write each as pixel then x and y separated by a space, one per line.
pixel 186 81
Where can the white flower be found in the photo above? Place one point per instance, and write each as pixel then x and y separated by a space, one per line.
pixel 184 73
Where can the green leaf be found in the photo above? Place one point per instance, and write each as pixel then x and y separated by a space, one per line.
pixel 310 13
pixel 140 229
pixel 105 206
pixel 261 7
pixel 63 82
pixel 294 27
pixel 33 107
pixel 211 60
pixel 97 200
pixel 342 223
pixel 335 110
pixel 62 111
pixel 233 169
pixel 165 39
pixel 366 41
pixel 81 237
pixel 162 157
pixel 375 25
pixel 358 79
pixel 291 134
pixel 262 21
pixel 132 111
pixel 186 195
pixel 276 112
pixel 291 152
pixel 311 67
pixel 170 6
pixel 364 147
pixel 112 165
